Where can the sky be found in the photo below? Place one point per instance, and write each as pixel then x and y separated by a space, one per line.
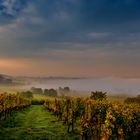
pixel 84 38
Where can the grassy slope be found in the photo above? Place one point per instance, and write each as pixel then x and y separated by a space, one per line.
pixel 35 123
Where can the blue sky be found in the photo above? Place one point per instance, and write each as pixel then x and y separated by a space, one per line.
pixel 70 37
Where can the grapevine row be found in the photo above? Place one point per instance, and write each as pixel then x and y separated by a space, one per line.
pixel 97 119
pixel 11 102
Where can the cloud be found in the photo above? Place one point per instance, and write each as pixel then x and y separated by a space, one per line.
pixel 77 21
pixel 11 7
pixel 90 32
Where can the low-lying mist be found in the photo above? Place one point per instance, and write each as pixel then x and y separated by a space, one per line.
pixel 113 86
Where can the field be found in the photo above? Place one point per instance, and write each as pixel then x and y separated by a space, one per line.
pixel 34 123
pixel 69 118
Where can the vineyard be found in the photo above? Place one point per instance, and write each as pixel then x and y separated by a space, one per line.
pixel 10 103
pixel 99 120
pixel 88 118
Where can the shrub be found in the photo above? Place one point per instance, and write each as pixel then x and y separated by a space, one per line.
pixel 98 95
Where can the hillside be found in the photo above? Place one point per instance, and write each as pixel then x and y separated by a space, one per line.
pixel 5 79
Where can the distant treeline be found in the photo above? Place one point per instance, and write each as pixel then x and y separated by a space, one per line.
pixel 63 92
pixel 46 92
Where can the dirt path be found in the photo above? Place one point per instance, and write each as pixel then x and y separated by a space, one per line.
pixel 34 123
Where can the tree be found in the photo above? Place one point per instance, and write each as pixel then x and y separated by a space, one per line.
pixel 133 99
pixel 37 90
pixel 26 94
pixel 46 92
pixel 50 92
pixel 98 95
pixel 63 91
pixel 66 89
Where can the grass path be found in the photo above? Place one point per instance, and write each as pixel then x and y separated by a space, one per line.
pixel 35 123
